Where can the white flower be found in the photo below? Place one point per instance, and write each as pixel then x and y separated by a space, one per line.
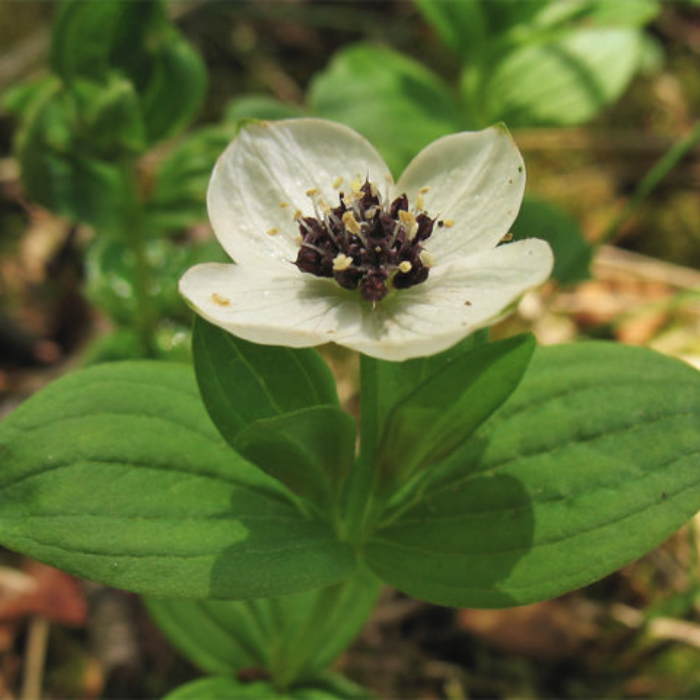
pixel 278 186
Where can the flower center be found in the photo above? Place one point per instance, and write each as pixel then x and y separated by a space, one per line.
pixel 367 241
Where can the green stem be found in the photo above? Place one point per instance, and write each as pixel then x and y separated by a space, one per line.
pixel 145 320
pixel 362 477
pixel 650 181
pixel 300 646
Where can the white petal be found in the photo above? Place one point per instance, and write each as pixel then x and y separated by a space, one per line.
pixel 271 306
pixel 271 163
pixel 476 180
pixel 453 303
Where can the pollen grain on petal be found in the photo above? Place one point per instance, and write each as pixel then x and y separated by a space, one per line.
pixel 218 299
pixel 273 232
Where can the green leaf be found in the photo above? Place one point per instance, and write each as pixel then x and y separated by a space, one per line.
pixel 82 38
pixel 116 474
pixel 395 102
pixel 225 687
pixel 91 40
pixel 178 195
pixel 20 99
pixel 572 253
pixel 333 687
pixel 602 13
pixel 174 94
pixel 260 107
pixel 396 380
pixel 108 117
pixel 460 25
pixel 504 16
pixel 430 423
pixel 242 382
pixel 226 637
pixel 564 82
pixel 591 463
pixel 57 175
pixel 112 271
pixel 310 450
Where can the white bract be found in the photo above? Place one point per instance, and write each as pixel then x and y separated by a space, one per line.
pixel 318 187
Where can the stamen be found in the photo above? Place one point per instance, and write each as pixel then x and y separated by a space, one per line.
pixel 351 223
pixel 341 262
pixel 273 232
pixel 284 205
pixel 299 218
pixel 311 246
pixel 426 258
pixel 408 219
pixel 337 182
pixel 405 266
pixel 387 192
pixel 448 223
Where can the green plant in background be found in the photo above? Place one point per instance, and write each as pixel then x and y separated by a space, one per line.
pixel 488 474
pixel 122 80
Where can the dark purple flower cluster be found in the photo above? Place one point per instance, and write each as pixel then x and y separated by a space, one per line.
pixel 366 241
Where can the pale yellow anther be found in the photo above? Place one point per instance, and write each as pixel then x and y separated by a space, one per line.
pixel 371 213
pixel 298 215
pixel 273 232
pixel 351 223
pixel 284 205
pixel 337 182
pixel 408 219
pixel 356 186
pixel 299 239
pixel 426 258
pixel 341 262
pixel 424 190
pixel 313 192
pixel 405 266
pixel 448 223
pixel 420 204
pixel 323 205
pixel 221 301
pixel 373 189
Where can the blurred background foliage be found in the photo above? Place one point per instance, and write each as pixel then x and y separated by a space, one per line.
pixel 112 115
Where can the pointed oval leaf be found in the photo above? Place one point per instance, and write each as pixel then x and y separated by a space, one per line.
pixel 310 451
pixel 564 82
pixel 591 463
pixel 441 413
pixel 242 382
pixel 116 473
